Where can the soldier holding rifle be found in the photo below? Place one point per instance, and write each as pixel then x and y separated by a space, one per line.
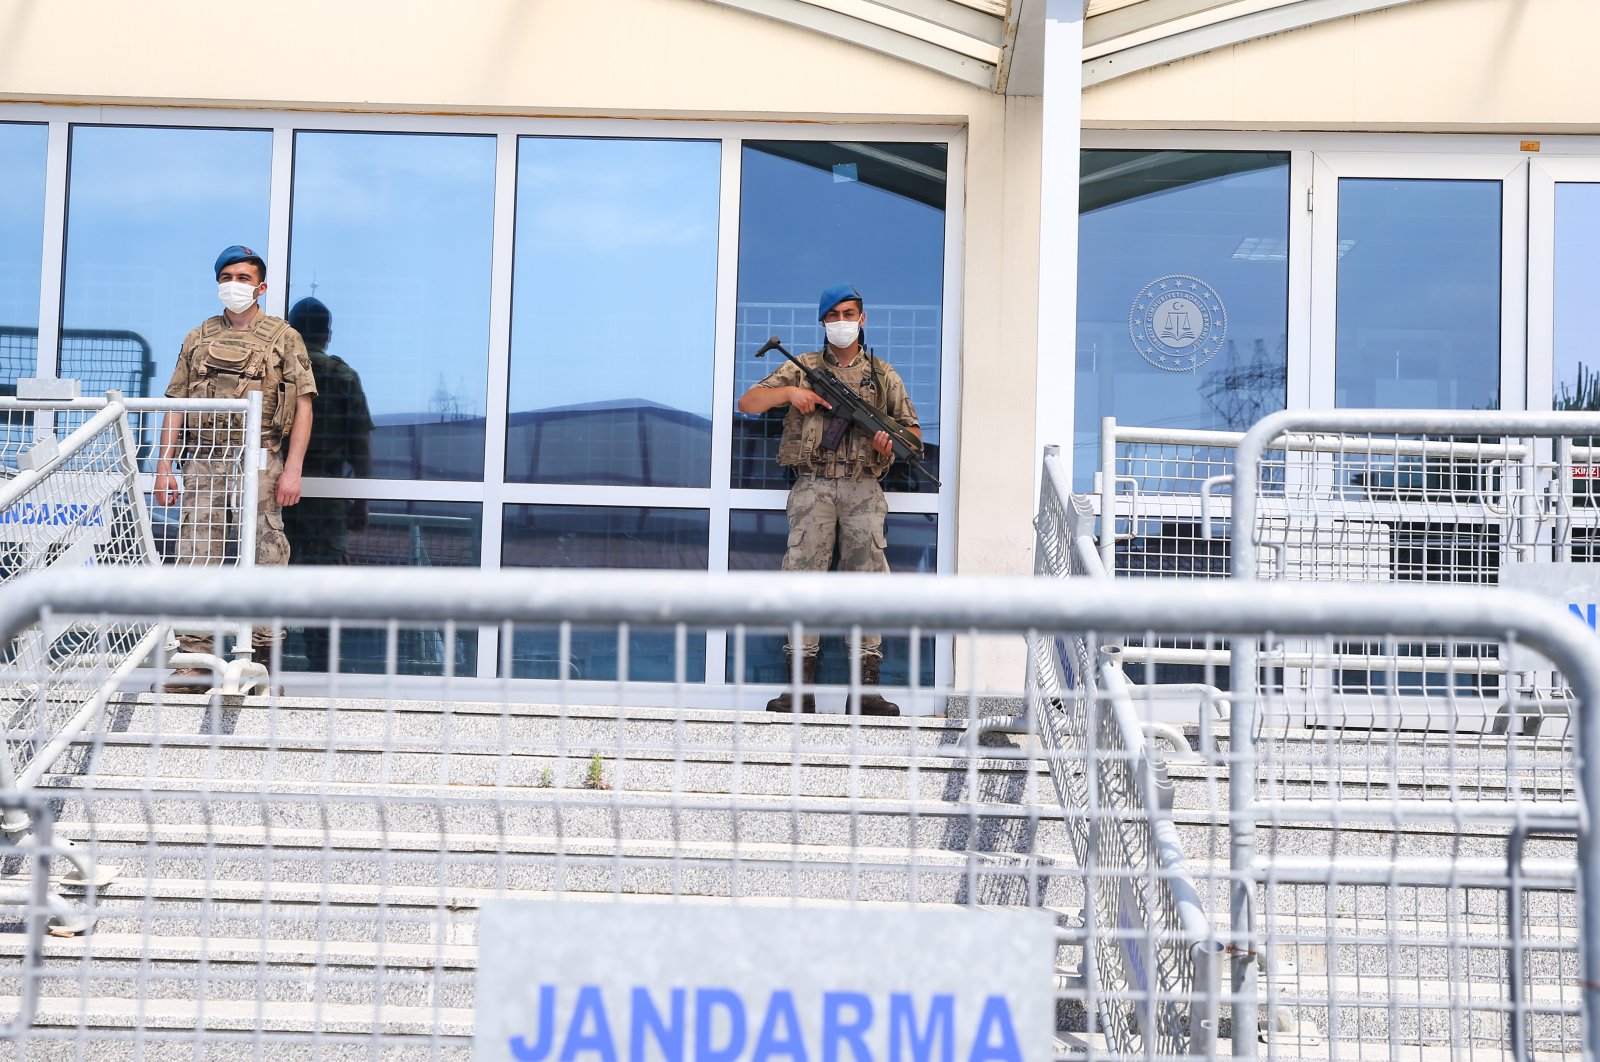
pixel 837 465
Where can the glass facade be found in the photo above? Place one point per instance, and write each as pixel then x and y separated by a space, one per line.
pixel 518 337
pixel 577 536
pixel 814 214
pixel 1183 284
pixel 393 234
pixel 22 187
pixel 613 335
pixel 147 211
pixel 1418 294
pixel 386 533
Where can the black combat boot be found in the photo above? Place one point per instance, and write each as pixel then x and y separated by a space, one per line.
pixel 784 702
pixel 873 702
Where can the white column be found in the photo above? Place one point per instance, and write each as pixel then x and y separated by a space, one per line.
pixel 1058 228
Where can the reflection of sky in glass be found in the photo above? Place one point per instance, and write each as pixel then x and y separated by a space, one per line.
pixel 22 164
pixel 816 214
pixel 1418 294
pixel 1219 217
pixel 147 212
pixel 22 171
pixel 394 234
pixel 1577 264
pixel 614 301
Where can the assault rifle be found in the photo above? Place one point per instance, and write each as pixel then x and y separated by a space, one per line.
pixel 850 409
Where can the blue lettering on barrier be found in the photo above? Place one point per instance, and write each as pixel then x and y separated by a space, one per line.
pixel 941 1028
pixel 1585 612
pixel 668 1034
pixel 847 1021
pixel 996 1018
pixel 591 1006
pixel 45 514
pixel 793 1044
pixel 835 1029
pixel 547 1020
pixel 706 1000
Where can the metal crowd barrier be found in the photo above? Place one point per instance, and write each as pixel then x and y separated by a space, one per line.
pixel 300 877
pixel 1419 496
pixel 1086 712
pixel 1355 495
pixel 75 497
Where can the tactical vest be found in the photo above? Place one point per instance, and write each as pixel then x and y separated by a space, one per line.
pixel 801 446
pixel 226 363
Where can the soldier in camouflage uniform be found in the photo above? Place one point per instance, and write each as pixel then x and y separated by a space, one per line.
pixel 836 493
pixel 227 356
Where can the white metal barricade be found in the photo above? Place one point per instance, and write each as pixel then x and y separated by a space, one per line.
pixel 77 496
pixel 208 434
pixel 1355 495
pixel 301 878
pixel 1086 710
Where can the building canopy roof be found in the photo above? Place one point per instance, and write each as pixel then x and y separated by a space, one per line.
pixel 998 44
pixel 1124 36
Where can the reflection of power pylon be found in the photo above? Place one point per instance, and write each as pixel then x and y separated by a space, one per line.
pixel 1583 394
pixel 1244 392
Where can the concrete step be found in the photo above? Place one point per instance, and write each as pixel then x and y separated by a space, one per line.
pixel 247 920
pixel 279 968
pixel 491 724
pixel 1418 1011
pixel 102 1012
pixel 1011 775
pixel 987 823
pixel 600 864
pixel 1202 785
pixel 64 1042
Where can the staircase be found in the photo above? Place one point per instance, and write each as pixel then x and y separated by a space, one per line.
pixel 302 880
pixel 310 872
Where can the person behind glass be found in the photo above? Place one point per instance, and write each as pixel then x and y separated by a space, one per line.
pixel 340 448
pixel 836 493
pixel 240 350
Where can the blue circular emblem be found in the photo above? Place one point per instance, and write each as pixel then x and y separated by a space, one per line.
pixel 1178 323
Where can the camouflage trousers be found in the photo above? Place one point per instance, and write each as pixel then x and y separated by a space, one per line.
pixel 208 524
pixel 850 510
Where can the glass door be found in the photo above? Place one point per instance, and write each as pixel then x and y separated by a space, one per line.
pixel 1418 282
pixel 1563 262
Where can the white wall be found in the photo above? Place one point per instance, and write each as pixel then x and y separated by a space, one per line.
pixel 1515 66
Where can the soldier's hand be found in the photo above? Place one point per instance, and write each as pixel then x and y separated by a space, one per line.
pixel 166 488
pixel 289 488
pixel 806 401
pixel 883 444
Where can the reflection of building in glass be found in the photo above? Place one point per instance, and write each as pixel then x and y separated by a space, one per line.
pixel 632 442
pixel 610 536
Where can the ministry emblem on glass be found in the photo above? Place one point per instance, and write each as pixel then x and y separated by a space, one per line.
pixel 1178 323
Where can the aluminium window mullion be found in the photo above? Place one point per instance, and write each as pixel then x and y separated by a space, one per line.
pixel 497 400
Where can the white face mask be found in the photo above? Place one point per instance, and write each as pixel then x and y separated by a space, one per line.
pixel 842 333
pixel 237 295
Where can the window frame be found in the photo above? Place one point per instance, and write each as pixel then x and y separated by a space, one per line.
pixel 494 493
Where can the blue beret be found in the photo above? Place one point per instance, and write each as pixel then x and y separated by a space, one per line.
pixel 835 295
pixel 239 253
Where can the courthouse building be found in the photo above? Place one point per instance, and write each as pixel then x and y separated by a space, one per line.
pixel 552 233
